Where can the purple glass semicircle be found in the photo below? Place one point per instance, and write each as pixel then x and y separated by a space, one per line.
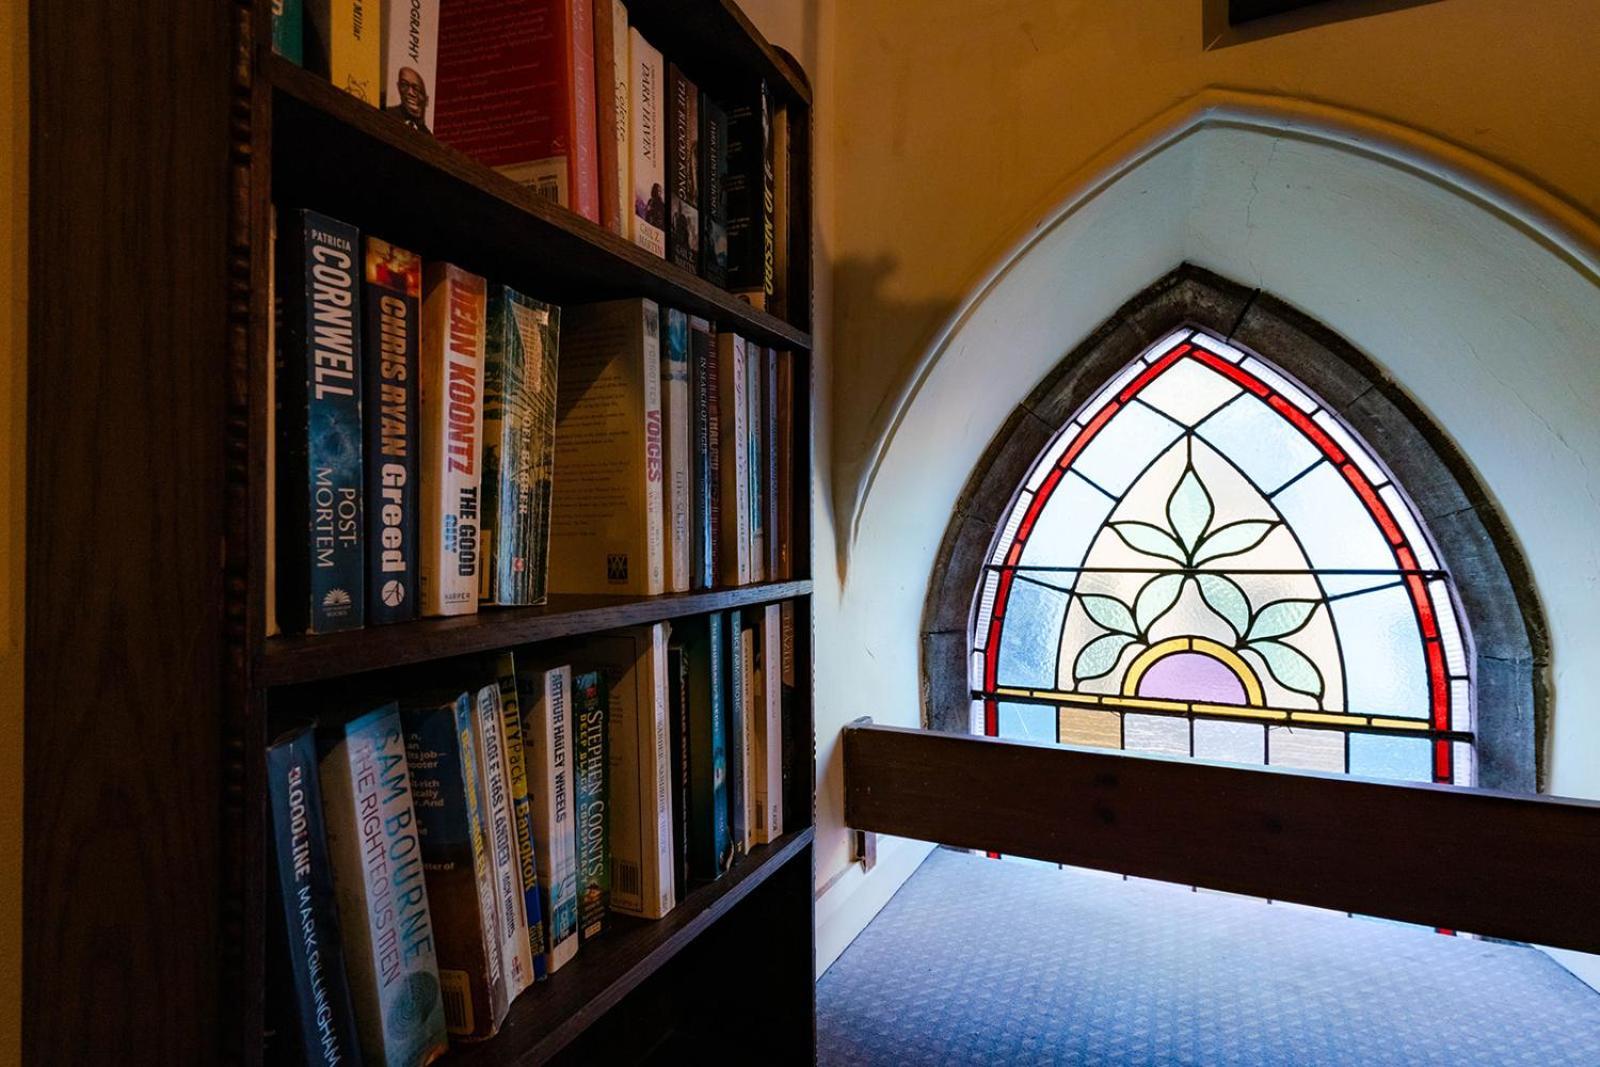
pixel 1192 676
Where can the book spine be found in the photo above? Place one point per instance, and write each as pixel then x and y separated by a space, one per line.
pixel 714 192
pixel 756 464
pixel 410 60
pixel 460 876
pixel 785 465
pixel 323 1013
pixel 654 460
pixel 683 170
pixel 288 29
pixel 714 456
pixel 622 75
pixel 646 151
pixel 584 165
pixel 660 886
pixel 771 456
pixel 392 302
pixel 613 209
pixel 678 758
pixel 739 768
pixel 675 393
pixel 639 791
pixel 380 883
pixel 545 695
pixel 589 765
pixel 710 848
pixel 770 721
pixel 274 335
pixel 750 701
pixel 510 913
pixel 702 530
pixel 733 535
pixel 778 180
pixel 344 45
pixel 320 533
pixel 451 453
pixel 505 672
pixel 749 194
pixel 787 698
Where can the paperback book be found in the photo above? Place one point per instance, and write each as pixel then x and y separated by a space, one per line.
pixel 288 28
pixel 545 693
pixel 703 456
pixel 505 672
pixel 510 913
pixel 769 724
pixel 647 153
pixel 733 533
pixel 683 170
pixel 611 61
pixel 714 192
pixel 410 60
pixel 590 779
pixel 750 198
pixel 392 328
pixel 343 45
pixel 741 765
pixel 676 458
pixel 710 843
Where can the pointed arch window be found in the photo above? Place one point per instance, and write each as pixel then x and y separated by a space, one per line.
pixel 1206 561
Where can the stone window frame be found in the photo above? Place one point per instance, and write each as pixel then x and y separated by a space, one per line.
pixel 1510 639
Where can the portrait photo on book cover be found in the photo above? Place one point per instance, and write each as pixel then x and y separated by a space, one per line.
pixel 412 90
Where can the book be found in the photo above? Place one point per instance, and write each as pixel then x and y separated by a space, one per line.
pixel 545 693
pixel 590 771
pixel 755 377
pixel 788 697
pixel 606 524
pixel 733 527
pixel 683 170
pixel 343 45
pixel 410 60
pixel 646 151
pixel 519 427
pixel 505 674
pixel 324 1021
pixel 288 29
pixel 391 301
pixel 634 662
pixel 778 303
pixel 749 196
pixel 611 60
pixel 740 764
pixel 678 756
pixel 450 392
pixel 381 886
pixel 703 454
pixel 270 504
pixel 710 841
pixel 713 192
pixel 774 481
pixel 517 92
pixel 783 449
pixel 488 733
pixel 769 724
pixel 445 776
pixel 713 377
pixel 320 571
pixel 749 702
pixel 676 458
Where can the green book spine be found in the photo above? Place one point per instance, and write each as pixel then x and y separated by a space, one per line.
pixel 590 762
pixel 288 30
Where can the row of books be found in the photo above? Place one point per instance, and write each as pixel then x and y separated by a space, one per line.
pixel 438 856
pixel 566 97
pixel 430 458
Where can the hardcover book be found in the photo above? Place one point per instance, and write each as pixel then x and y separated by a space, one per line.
pixel 714 192
pixel 611 62
pixel 755 377
pixel 683 170
pixel 590 771
pixel 740 765
pixel 320 567
pixel 733 534
pixel 647 152
pixel 606 528
pixel 324 1021
pixel 410 60
pixel 703 449
pixel 511 915
pixel 343 45
pixel 640 790
pixel 710 841
pixel 381 886
pixel 749 194
pixel 517 92
pixel 505 673
pixel 546 728
pixel 519 426
pixel 676 459
pixel 392 327
pixel 769 724
pixel 288 29
pixel 451 452
pixel 445 776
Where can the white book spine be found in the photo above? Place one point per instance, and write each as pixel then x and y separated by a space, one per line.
pixel 648 217
pixel 735 477
pixel 639 802
pixel 546 726
pixel 451 452
pixel 621 64
pixel 675 407
pixel 769 727
pixel 747 743
pixel 756 464
pixel 510 919
pixel 410 60
pixel 654 500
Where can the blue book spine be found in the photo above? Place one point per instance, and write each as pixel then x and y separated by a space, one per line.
pixel 320 531
pixel 702 468
pixel 393 298
pixel 325 1020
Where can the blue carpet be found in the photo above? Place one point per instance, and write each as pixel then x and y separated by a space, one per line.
pixel 983 962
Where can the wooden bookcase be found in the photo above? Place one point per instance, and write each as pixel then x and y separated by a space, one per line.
pixel 155 833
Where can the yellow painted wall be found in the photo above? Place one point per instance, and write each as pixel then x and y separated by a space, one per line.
pixel 13 405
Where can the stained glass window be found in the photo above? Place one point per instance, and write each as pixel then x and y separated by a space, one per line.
pixel 1207 562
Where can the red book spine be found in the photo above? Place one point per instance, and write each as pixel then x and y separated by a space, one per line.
pixel 584 159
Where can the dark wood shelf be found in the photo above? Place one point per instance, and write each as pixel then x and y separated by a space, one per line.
pixel 295 660
pixel 547 1018
pixel 333 153
pixel 718 47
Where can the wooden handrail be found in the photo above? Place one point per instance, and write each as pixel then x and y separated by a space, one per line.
pixel 1517 867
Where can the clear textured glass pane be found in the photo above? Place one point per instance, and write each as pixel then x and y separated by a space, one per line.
pixel 1189 391
pixel 1230 742
pixel 1267 449
pixel 1085 726
pixel 1163 735
pixel 1333 525
pixel 1407 759
pixel 1386 672
pixel 1028 722
pixel 1124 446
pixel 1306 750
pixel 1029 640
pixel 1062 533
